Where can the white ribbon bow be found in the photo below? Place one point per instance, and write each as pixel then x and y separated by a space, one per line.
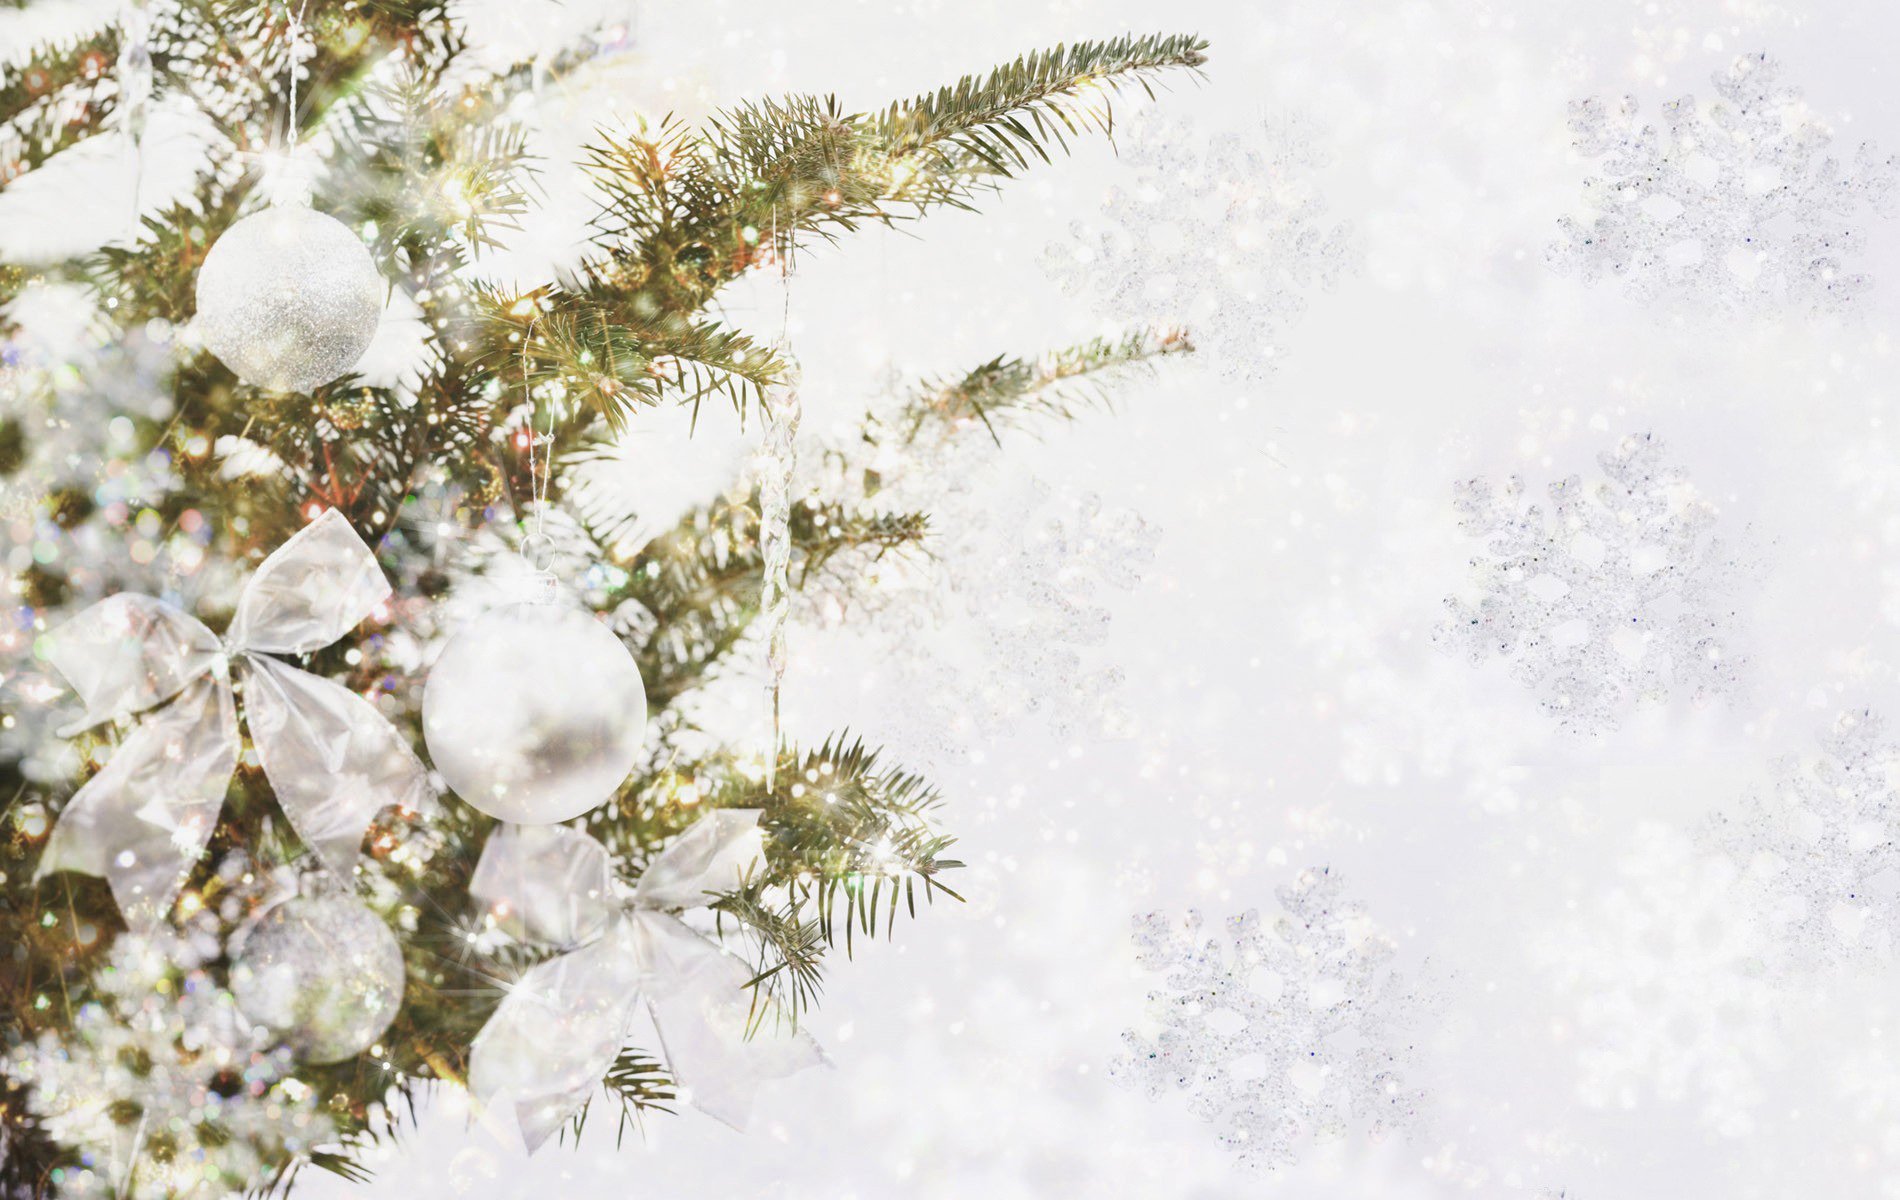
pixel 331 758
pixel 561 1026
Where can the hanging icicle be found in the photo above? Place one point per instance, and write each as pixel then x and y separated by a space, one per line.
pixel 135 95
pixel 780 459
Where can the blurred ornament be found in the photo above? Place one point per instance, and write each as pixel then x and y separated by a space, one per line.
pixel 534 713
pixel 323 972
pixel 289 298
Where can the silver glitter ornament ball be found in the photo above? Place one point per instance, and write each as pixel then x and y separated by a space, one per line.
pixel 289 298
pixel 534 713
pixel 322 972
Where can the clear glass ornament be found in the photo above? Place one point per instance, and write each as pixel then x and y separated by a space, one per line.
pixel 534 713
pixel 323 972
pixel 289 298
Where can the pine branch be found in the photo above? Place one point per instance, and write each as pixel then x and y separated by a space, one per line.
pixel 701 580
pixel 640 1084
pixel 790 969
pixel 688 211
pixel 1021 110
pixel 1057 385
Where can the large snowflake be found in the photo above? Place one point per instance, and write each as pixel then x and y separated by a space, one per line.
pixel 1278 1032
pixel 1224 235
pixel 1618 591
pixel 1826 842
pixel 1741 203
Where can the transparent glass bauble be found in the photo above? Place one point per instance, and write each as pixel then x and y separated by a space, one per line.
pixel 289 298
pixel 322 972
pixel 534 713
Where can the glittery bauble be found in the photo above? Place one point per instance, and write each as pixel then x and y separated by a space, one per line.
pixel 324 973
pixel 289 298
pixel 534 713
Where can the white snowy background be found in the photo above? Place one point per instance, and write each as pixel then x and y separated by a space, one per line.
pixel 1640 926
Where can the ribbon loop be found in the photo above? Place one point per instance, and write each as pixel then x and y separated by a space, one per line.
pixel 331 758
pixel 313 589
pixel 128 653
pixel 560 1027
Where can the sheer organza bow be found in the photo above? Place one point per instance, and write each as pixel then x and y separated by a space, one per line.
pixel 331 758
pixel 562 1024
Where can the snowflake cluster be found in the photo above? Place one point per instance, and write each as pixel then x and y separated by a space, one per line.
pixel 162 1087
pixel 1278 1033
pixel 1826 842
pixel 1669 982
pixel 1222 235
pixel 1618 592
pixel 1739 204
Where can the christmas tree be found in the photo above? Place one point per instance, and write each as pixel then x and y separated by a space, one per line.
pixel 211 457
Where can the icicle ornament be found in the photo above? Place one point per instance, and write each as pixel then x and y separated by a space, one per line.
pixel 779 461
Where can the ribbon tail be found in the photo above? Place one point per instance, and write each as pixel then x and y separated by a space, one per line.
pixel 555 1035
pixel 333 761
pixel 720 1049
pixel 143 821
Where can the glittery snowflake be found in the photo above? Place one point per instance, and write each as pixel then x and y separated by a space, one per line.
pixel 1671 980
pixel 164 1090
pixel 1278 1033
pixel 1741 203
pixel 1827 841
pixel 1618 592
pixel 1222 235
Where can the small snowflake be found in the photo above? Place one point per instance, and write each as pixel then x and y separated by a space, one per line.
pixel 1736 204
pixel 1277 1033
pixel 1671 982
pixel 1616 593
pixel 1827 840
pixel 1222 235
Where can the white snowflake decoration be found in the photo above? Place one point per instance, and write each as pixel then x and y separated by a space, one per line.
pixel 1736 204
pixel 1278 1033
pixel 1618 592
pixel 1827 842
pixel 165 1090
pixel 1671 984
pixel 1222 235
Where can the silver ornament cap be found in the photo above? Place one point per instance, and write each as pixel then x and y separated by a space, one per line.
pixel 289 298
